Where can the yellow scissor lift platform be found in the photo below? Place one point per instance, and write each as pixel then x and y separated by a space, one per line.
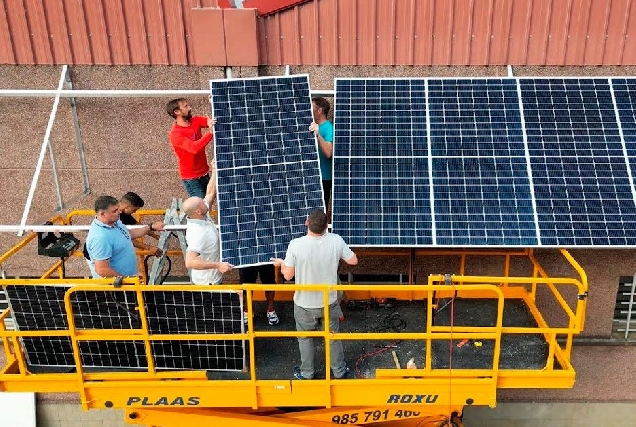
pixel 467 336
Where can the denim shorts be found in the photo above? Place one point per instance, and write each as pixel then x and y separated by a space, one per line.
pixel 196 187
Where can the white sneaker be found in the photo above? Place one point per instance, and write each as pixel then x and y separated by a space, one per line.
pixel 272 318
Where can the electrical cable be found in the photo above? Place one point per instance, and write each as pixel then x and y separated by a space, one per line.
pixel 391 323
pixel 132 313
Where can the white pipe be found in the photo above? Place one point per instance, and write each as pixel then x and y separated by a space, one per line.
pixel 45 144
pixel 102 93
pixel 70 228
pixel 115 93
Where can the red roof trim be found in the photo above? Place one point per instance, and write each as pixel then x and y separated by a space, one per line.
pixel 225 4
pixel 268 7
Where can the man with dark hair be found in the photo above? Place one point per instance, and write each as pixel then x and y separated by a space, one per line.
pixel 189 146
pixel 109 242
pixel 323 130
pixel 313 259
pixel 132 199
pixel 128 205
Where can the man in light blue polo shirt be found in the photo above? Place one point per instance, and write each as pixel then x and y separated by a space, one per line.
pixel 323 129
pixel 109 242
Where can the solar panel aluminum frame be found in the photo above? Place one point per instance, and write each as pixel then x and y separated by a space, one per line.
pixel 519 81
pixel 300 225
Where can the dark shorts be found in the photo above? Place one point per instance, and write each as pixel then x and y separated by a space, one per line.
pixel 266 272
pixel 326 188
pixel 196 187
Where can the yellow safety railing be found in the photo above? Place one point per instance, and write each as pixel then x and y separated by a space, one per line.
pixel 437 286
pixel 98 388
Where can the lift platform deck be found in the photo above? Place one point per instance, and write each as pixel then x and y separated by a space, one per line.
pixel 465 337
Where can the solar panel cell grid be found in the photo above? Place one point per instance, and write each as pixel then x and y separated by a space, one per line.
pixel 41 308
pixel 482 193
pixel 267 162
pixel 625 96
pixel 483 201
pixel 498 148
pixel 380 163
pixel 581 184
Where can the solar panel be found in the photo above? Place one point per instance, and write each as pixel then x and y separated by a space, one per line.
pixel 267 163
pixel 583 192
pixel 625 100
pixel 41 308
pixel 205 312
pixel 381 171
pixel 482 193
pixel 512 162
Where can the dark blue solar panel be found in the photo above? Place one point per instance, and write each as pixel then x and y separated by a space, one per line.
pixel 381 178
pixel 481 188
pixel 570 117
pixel 483 201
pixel 475 117
pixel 267 162
pixel 625 95
pixel 581 184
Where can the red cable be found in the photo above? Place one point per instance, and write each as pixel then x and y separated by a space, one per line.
pixel 372 353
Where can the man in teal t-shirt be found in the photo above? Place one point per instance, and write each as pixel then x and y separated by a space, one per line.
pixel 323 129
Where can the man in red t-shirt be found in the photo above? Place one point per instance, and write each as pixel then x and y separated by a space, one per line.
pixel 189 145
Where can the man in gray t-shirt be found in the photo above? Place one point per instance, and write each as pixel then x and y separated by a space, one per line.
pixel 314 260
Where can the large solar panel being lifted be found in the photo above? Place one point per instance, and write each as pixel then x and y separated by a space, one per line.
pixel 381 170
pixel 267 165
pixel 482 193
pixel 584 195
pixel 41 308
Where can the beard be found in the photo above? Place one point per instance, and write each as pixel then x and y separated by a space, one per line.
pixel 188 116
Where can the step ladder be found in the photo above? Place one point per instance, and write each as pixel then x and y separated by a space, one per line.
pixel 174 216
pixel 625 309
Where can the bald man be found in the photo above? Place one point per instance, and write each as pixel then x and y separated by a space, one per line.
pixel 203 254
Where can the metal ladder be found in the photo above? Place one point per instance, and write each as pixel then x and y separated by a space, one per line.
pixel 174 216
pixel 625 311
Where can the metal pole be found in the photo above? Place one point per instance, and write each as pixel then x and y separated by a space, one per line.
pixel 113 93
pixel 630 308
pixel 79 140
pixel 45 143
pixel 71 228
pixel 56 179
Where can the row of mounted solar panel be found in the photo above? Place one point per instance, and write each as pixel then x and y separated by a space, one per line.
pixel 512 148
pixel 415 158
